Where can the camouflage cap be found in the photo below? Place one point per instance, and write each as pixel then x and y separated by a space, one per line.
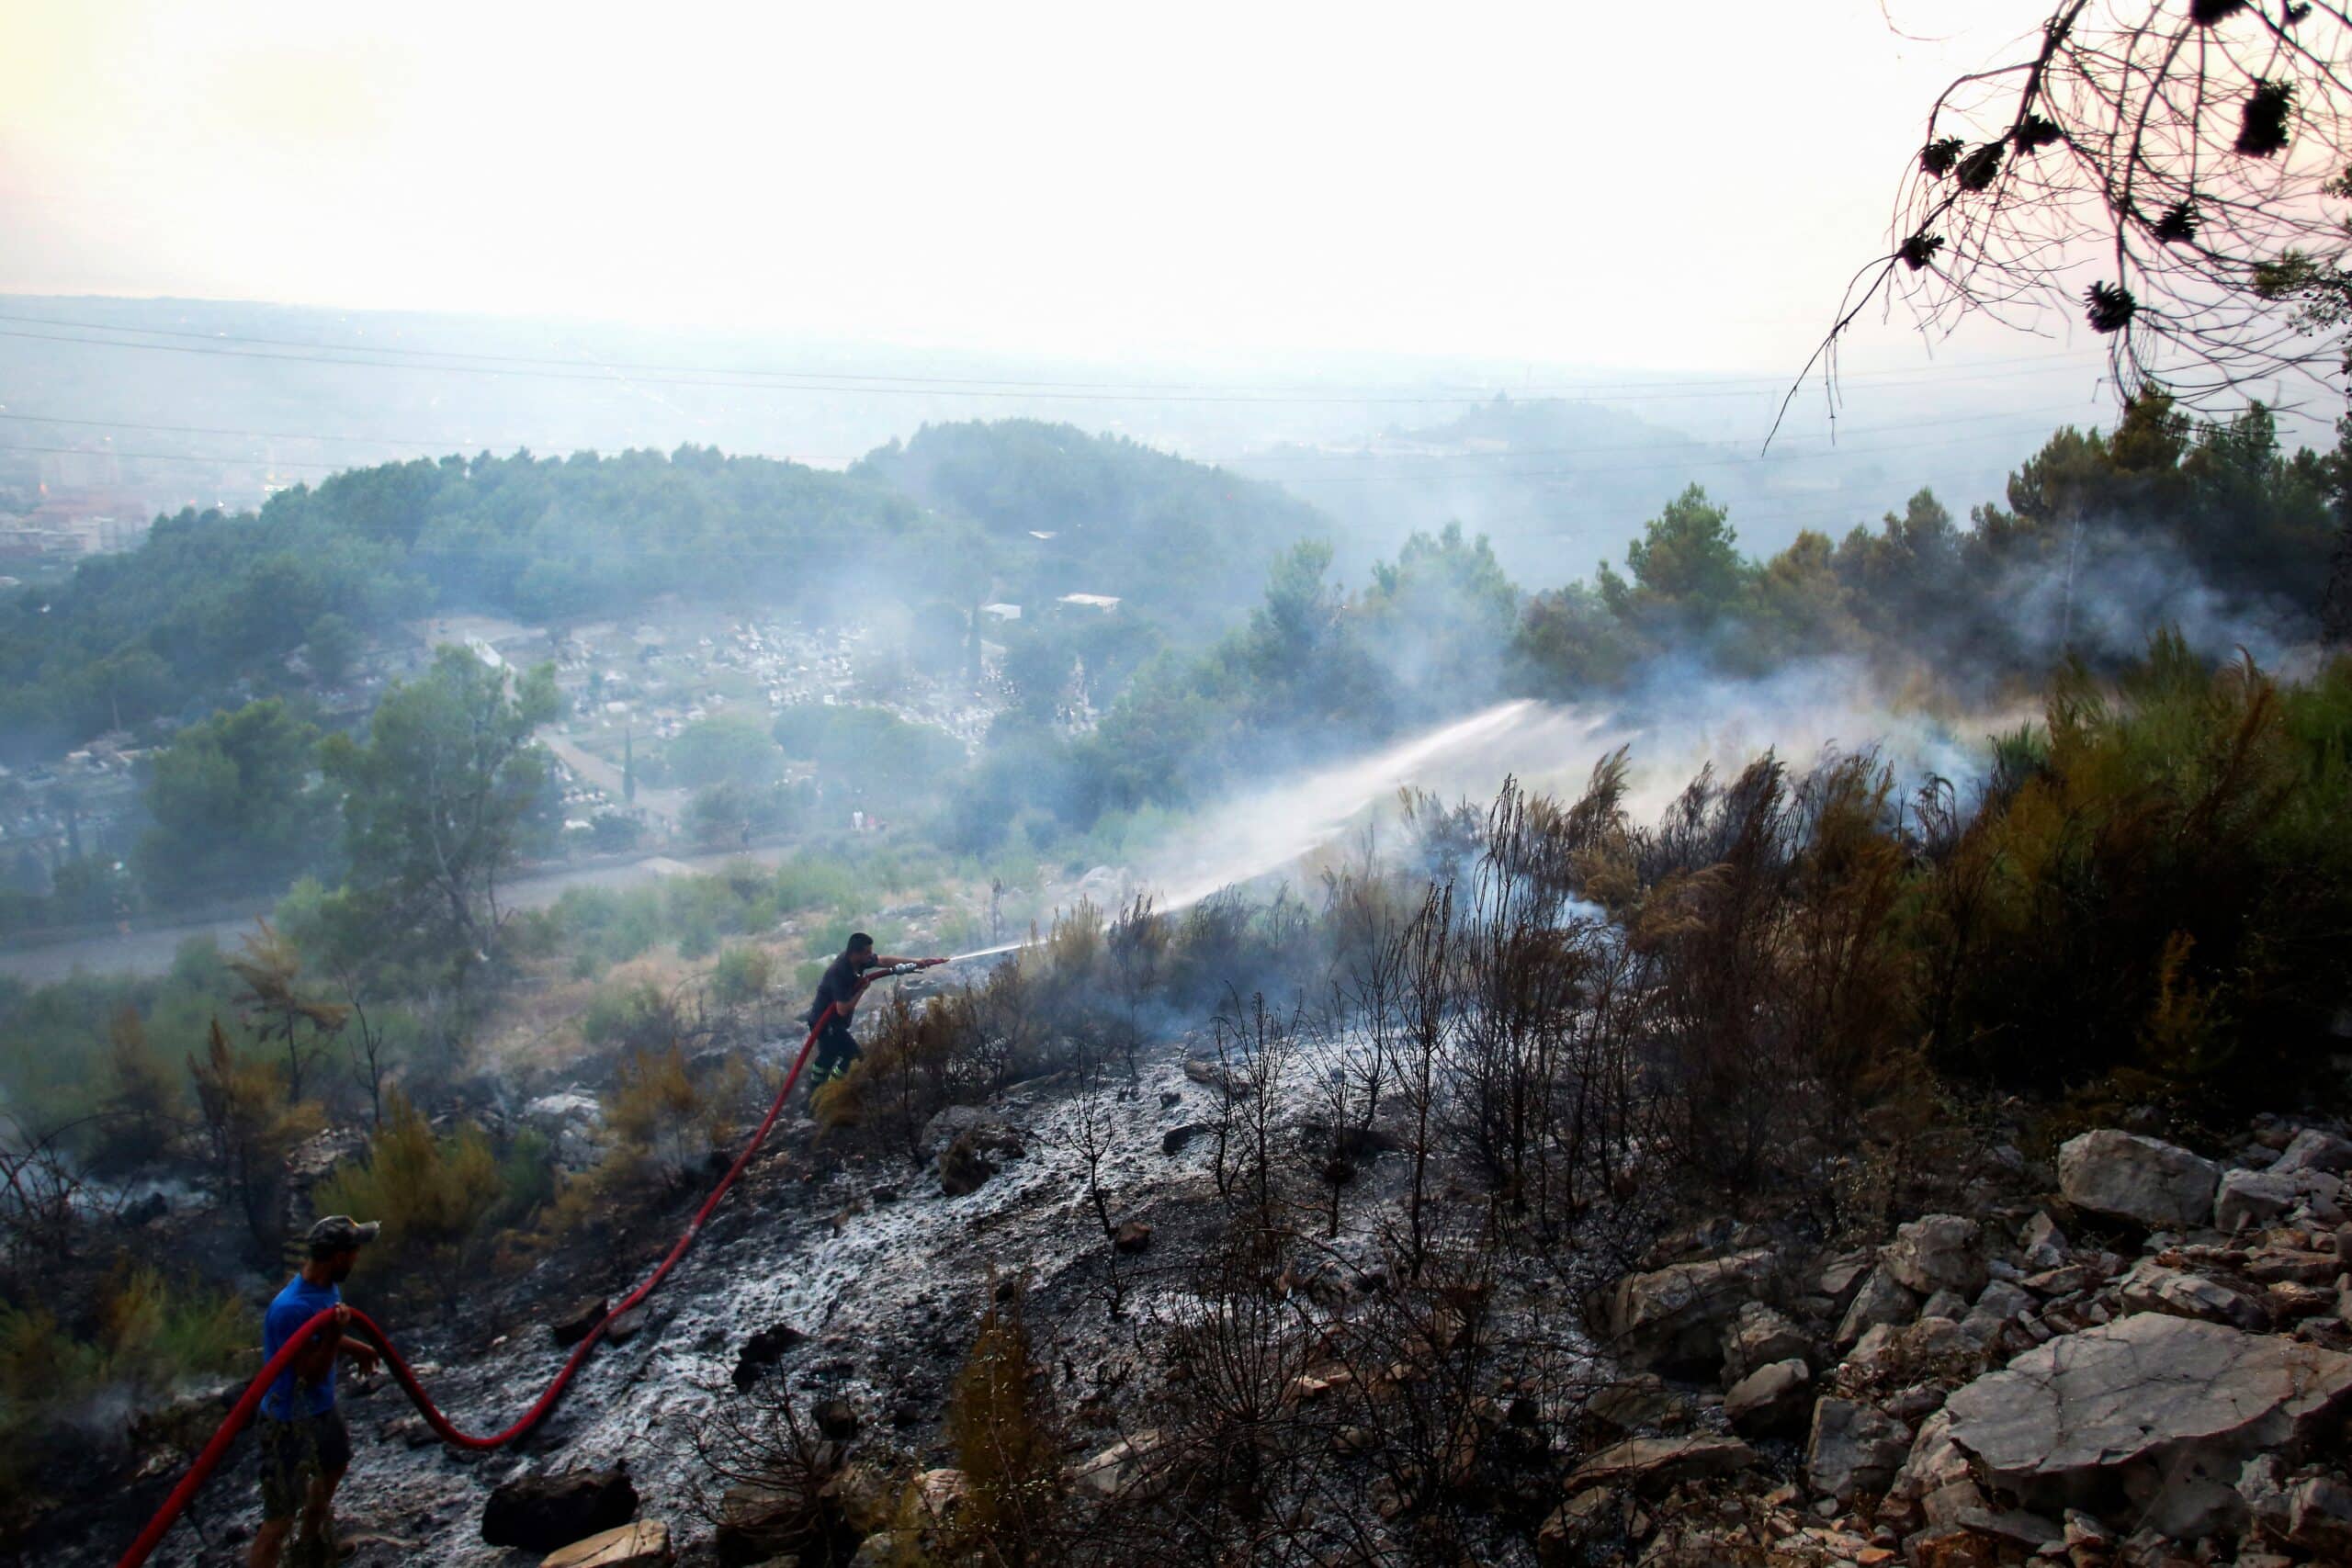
pixel 341 1233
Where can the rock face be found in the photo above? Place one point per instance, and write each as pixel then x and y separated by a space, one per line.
pixel 645 1544
pixel 2145 1180
pixel 572 1121
pixel 2167 1409
pixel 542 1513
pixel 1941 1252
pixel 1854 1449
pixel 1677 1316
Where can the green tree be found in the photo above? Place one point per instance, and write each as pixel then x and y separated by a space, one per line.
pixel 1441 613
pixel 279 1008
pixel 726 747
pixel 330 646
pixel 440 799
pixel 1686 568
pixel 235 806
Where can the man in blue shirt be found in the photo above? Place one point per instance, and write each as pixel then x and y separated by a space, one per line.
pixel 305 1448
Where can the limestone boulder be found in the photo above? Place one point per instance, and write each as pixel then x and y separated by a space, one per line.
pixel 2043 1244
pixel 986 1131
pixel 1760 1335
pixel 572 1120
pixel 1679 1315
pixel 1854 1449
pixel 543 1512
pixel 756 1523
pixel 1881 1300
pixel 1932 1351
pixel 2319 1518
pixel 2153 1287
pixel 1652 1465
pixel 643 1544
pixel 2166 1409
pixel 1939 1252
pixel 2127 1175
pixel 2314 1149
pixel 1637 1401
pixel 1772 1400
pixel 2254 1198
pixel 1560 1540
pixel 1935 1475
pixel 1132 1467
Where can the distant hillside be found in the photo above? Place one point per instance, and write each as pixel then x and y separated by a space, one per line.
pixel 1167 534
pixel 210 605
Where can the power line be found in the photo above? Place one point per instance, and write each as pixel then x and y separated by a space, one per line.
pixel 1670 466
pixel 1241 459
pixel 908 385
pixel 903 379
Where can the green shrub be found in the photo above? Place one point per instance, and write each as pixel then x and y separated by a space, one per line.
pixel 741 975
pixel 638 1017
pixel 431 1192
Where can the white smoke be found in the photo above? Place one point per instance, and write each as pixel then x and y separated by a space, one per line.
pixel 1686 720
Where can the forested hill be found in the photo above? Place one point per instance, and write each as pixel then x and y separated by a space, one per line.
pixel 1124 520
pixel 211 604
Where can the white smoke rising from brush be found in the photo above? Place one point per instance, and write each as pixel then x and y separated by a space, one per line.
pixel 1685 721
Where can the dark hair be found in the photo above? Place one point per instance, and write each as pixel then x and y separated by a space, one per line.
pixel 859 942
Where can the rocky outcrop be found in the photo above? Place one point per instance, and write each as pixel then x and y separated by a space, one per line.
pixel 2195 1392
pixel 2128 1177
pixel 2167 1409
pixel 572 1121
pixel 543 1512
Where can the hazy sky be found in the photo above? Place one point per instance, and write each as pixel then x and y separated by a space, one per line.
pixel 1636 184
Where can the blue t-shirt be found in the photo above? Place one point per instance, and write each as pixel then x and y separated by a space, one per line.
pixel 295 1304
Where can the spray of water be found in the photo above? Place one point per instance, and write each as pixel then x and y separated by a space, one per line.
pixel 1695 720
pixel 1267 831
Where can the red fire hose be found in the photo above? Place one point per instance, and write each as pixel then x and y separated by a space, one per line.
pixel 238 1417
